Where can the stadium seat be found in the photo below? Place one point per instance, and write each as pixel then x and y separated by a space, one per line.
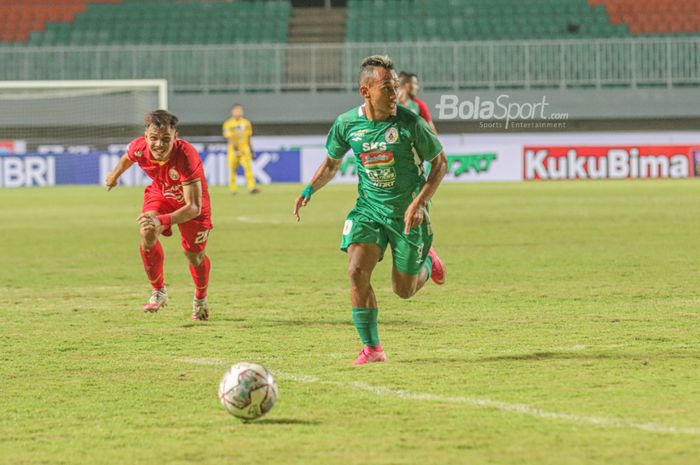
pixel 450 20
pixel 135 22
pixel 654 17
pixel 117 22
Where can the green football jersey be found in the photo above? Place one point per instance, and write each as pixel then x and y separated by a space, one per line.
pixel 389 156
pixel 413 106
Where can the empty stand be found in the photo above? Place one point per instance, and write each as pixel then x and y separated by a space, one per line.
pixel 452 43
pixel 458 20
pixel 20 18
pixel 654 17
pixel 114 22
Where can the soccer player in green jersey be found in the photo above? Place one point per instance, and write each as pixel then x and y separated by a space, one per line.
pixel 390 144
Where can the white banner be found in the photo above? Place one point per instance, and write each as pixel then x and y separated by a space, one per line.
pixel 466 162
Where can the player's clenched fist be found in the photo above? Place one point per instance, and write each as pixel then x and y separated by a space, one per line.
pixel 148 222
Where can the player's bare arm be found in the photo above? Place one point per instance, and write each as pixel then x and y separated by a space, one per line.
pixel 191 210
pixel 113 176
pixel 416 210
pixel 323 176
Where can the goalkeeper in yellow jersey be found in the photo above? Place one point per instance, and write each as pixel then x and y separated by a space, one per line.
pixel 238 131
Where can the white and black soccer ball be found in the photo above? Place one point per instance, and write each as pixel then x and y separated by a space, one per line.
pixel 248 391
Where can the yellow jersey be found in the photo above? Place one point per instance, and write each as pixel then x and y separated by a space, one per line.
pixel 238 132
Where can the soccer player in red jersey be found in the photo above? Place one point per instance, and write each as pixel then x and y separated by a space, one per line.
pixel 178 196
pixel 408 97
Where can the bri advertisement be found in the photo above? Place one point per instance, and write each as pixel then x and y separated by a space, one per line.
pixel 41 169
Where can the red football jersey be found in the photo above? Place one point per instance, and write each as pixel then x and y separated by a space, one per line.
pixel 423 109
pixel 184 165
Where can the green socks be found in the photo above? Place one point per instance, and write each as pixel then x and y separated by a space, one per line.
pixel 365 320
pixel 428 265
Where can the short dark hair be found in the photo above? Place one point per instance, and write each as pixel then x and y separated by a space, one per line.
pixel 374 61
pixel 236 105
pixel 161 119
pixel 406 76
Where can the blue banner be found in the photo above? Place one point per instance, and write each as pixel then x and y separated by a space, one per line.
pixel 36 170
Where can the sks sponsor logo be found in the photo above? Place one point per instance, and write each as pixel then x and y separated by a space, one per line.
pixel 608 162
pixel 367 146
pixel 377 159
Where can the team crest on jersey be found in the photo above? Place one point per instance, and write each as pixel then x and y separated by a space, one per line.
pixel 138 154
pixel 391 135
pixel 174 175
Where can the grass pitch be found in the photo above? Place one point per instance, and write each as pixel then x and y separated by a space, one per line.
pixel 568 332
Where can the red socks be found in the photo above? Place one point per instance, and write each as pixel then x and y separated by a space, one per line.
pixel 200 275
pixel 153 264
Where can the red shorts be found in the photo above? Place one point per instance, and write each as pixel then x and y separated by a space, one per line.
pixel 193 234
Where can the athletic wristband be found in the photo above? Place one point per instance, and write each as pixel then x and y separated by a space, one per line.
pixel 308 190
pixel 165 220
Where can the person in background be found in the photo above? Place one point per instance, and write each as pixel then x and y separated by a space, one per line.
pixel 408 91
pixel 237 130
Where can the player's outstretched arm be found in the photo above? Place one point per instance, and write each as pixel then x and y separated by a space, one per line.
pixel 113 176
pixel 415 211
pixel 323 175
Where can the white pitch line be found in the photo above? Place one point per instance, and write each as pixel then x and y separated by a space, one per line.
pixel 202 361
pixel 248 219
pixel 522 409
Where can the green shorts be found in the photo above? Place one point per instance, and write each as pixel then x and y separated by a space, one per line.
pixel 408 251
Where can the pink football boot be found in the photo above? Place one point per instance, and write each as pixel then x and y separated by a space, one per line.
pixel 158 300
pixel 370 354
pixel 439 274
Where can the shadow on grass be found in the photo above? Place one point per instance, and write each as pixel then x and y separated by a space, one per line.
pixel 282 421
pixel 346 322
pixel 574 356
pixel 546 356
pixel 551 356
pixel 209 323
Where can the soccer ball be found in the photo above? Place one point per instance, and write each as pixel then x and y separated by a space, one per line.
pixel 248 391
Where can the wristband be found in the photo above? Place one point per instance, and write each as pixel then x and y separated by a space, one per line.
pixel 165 220
pixel 308 190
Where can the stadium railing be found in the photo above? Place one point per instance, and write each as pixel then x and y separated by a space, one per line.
pixel 634 62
